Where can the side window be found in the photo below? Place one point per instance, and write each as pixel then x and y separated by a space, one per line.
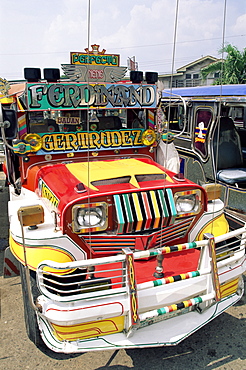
pixel 174 118
pixel 203 118
pixel 237 115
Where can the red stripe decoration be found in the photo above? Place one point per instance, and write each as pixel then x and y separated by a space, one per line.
pixel 11 266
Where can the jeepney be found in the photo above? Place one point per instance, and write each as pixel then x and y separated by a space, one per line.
pixel 114 250
pixel 208 124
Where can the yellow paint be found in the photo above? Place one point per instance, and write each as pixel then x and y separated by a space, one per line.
pixel 90 329
pixel 6 100
pixel 229 288
pixel 95 171
pixel 217 227
pixel 37 254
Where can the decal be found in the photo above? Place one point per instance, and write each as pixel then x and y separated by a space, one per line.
pixel 46 193
pixel 38 253
pixel 151 119
pixel 22 124
pixel 229 288
pixel 200 133
pixel 68 120
pixel 89 329
pixel 203 119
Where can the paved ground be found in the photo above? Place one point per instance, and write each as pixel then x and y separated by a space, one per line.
pixel 219 345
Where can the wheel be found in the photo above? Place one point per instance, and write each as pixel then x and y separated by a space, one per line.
pixel 30 316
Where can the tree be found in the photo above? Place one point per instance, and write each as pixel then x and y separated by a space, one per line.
pixel 232 69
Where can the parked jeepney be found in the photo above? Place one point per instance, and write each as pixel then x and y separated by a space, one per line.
pixel 114 250
pixel 209 130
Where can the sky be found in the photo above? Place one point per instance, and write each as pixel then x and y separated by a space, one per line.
pixel 42 33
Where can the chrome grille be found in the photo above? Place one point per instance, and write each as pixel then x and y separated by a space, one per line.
pixel 172 233
pixel 110 244
pixel 103 244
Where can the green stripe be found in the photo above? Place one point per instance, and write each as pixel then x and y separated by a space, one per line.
pixel 163 202
pixel 172 204
pixel 195 273
pixel 192 245
pixel 161 311
pixel 154 253
pixel 198 300
pixel 157 282
pixel 128 208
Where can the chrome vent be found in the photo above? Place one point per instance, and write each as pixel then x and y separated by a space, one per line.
pixel 113 181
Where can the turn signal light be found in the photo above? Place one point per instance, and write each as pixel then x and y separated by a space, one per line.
pixel 213 191
pixel 31 215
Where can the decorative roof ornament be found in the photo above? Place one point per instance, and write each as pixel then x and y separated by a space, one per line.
pixel 95 50
pixel 82 73
pixel 4 87
pixel 94 66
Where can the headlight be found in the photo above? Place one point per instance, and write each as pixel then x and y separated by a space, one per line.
pixel 93 217
pixel 90 217
pixel 187 203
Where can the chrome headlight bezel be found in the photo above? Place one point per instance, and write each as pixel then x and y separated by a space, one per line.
pixel 89 217
pixel 188 202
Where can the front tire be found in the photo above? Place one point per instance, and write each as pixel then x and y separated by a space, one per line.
pixel 30 316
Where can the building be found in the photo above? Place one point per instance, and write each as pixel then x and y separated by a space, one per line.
pixel 189 75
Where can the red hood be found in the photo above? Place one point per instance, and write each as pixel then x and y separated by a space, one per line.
pixel 65 183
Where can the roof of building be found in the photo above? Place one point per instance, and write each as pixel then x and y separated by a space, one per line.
pixel 198 61
pixel 180 71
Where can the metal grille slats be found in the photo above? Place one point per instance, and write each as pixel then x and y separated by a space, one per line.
pixel 176 231
pixel 110 244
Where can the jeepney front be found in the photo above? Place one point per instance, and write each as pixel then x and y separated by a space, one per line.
pixel 115 249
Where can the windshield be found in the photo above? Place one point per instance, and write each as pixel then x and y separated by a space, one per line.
pixel 86 120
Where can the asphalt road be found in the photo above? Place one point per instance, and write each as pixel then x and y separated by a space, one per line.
pixel 218 345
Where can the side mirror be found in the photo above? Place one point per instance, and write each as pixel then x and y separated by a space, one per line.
pixel 8 122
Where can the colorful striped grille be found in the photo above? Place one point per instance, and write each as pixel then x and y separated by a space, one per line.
pixel 144 210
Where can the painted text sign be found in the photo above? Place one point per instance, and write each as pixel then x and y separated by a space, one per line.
pixel 82 96
pixel 95 59
pixel 82 141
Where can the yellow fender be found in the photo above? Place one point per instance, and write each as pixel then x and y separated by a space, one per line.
pixel 217 227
